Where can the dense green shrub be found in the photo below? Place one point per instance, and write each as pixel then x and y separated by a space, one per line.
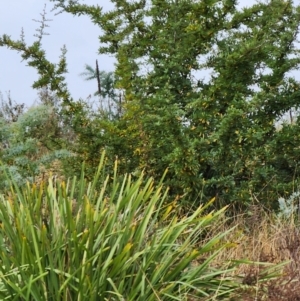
pixel 216 135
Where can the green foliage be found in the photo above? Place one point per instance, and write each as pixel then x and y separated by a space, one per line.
pixel 51 75
pixel 30 143
pixel 216 135
pixel 69 241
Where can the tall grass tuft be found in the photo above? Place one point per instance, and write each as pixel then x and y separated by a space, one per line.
pixel 122 241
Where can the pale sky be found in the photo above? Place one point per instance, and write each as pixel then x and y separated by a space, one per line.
pixel 78 34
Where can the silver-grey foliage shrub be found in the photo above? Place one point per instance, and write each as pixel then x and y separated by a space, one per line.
pixel 29 143
pixel 289 207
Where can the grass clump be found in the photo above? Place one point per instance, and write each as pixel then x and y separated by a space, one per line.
pixel 122 241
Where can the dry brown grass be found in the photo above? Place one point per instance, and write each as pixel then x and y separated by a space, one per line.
pixel 262 237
